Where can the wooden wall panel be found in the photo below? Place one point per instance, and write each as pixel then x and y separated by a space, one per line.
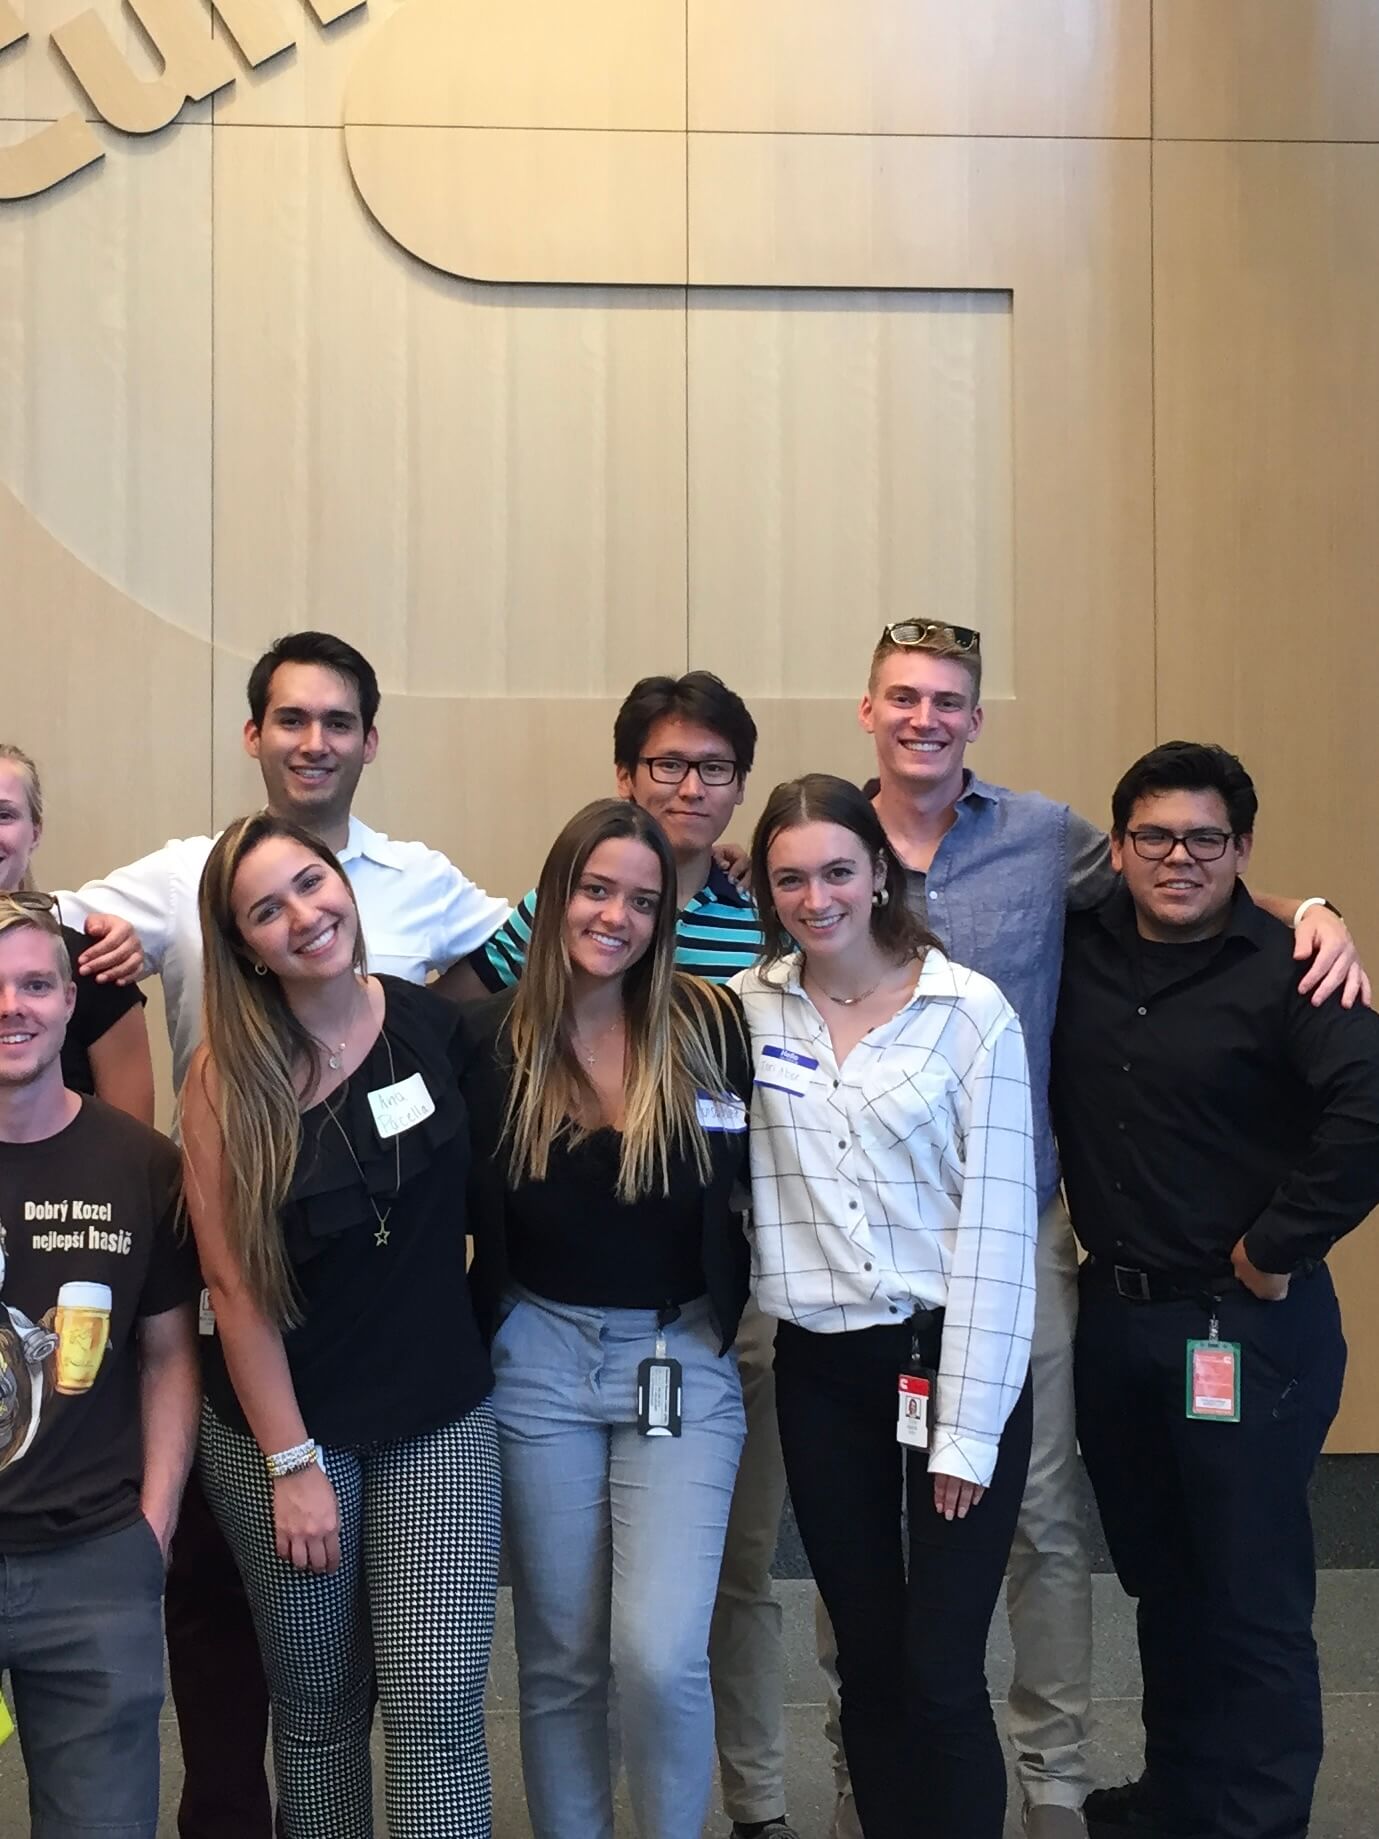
pixel 1065 226
pixel 1266 69
pixel 920 66
pixel 105 368
pixel 894 410
pixel 487 487
pixel 1267 478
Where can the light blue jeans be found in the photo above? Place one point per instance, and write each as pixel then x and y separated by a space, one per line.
pixel 615 1542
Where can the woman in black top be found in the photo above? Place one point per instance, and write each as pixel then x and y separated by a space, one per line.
pixel 348 1446
pixel 608 1102
pixel 106 1051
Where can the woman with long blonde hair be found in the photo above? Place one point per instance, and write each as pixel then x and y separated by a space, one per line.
pixel 608 1100
pixel 348 1448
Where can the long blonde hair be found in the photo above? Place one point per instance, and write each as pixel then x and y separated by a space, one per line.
pixel 263 1057
pixel 677 1026
pixel 34 788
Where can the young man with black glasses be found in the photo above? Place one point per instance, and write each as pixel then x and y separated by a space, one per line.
pixel 995 873
pixel 682 749
pixel 1219 1133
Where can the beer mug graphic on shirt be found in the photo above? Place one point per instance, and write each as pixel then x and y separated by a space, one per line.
pixel 81 1323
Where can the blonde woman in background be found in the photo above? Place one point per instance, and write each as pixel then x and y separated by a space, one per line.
pixel 608 1100
pixel 106 1053
pixel 348 1446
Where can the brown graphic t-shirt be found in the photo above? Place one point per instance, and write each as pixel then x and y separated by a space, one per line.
pixel 87 1246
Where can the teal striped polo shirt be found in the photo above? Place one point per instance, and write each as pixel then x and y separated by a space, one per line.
pixel 717 935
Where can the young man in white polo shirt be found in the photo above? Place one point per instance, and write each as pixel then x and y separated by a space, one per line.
pixel 313 700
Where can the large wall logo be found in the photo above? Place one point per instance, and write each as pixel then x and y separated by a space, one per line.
pixel 532 141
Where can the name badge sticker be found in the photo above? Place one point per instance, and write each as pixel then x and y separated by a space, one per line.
pixel 722 1113
pixel 399 1107
pixel 785 1071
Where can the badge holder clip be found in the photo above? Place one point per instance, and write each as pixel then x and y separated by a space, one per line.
pixel 660 1389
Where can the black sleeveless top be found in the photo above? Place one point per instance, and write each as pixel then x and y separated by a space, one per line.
pixel 387 1346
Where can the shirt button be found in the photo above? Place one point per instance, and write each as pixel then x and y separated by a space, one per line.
pixel 1125 1066
pixel 835 1085
pixel 866 1267
pixel 894 1310
pixel 1141 1010
pixel 1121 1124
pixel 1120 1187
pixel 842 1142
pixel 933 896
pixel 852 1205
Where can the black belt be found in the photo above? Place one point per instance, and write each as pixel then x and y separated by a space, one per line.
pixel 1141 1286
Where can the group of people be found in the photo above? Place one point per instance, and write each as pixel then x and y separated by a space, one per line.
pixel 696 1174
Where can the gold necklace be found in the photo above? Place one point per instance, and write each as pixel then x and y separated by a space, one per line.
pixel 337 1059
pixel 382 1236
pixel 848 1002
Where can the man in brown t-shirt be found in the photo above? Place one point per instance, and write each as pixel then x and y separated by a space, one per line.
pixel 99 1398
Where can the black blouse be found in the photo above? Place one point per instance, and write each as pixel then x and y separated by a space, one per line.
pixel 387 1346
pixel 570 1238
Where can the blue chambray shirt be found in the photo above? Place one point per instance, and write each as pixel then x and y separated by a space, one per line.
pixel 996 893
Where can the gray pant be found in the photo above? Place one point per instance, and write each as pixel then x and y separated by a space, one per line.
pixel 1049 1586
pixel 81 1635
pixel 746 1652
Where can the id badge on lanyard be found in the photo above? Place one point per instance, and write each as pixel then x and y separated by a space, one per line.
pixel 660 1389
pixel 1213 1377
pixel 918 1387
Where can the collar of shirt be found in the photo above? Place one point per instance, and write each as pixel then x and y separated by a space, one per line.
pixel 974 790
pixel 721 888
pixel 936 979
pixel 371 844
pixel 1247 921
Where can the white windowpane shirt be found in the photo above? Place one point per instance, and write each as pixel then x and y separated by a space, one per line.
pixel 903 1179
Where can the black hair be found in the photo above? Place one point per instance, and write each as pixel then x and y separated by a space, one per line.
pixel 820 798
pixel 330 653
pixel 1187 766
pixel 697 697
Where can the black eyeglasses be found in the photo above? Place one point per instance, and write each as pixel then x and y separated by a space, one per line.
pixel 1158 845
pixel 670 769
pixel 933 632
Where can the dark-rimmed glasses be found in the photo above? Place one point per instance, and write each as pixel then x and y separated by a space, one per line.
pixel 670 769
pixel 1157 845
pixel 933 632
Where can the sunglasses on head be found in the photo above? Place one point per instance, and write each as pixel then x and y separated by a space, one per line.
pixel 933 632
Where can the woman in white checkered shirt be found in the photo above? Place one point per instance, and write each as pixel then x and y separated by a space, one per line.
pixel 894 1213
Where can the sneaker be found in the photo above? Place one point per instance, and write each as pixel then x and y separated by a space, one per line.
pixel 768 1829
pixel 1046 1821
pixel 1130 1811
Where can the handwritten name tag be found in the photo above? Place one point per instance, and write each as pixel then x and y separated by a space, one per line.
pixel 399 1107
pixel 722 1113
pixel 786 1071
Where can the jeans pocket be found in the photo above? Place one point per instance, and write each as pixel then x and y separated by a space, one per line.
pixel 152 1547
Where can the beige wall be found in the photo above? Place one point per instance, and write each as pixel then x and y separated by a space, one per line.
pixel 1054 316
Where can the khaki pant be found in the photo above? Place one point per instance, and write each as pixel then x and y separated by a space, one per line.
pixel 746 1655
pixel 1049 1586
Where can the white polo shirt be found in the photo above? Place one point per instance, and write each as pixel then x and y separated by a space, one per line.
pixel 419 914
pixel 902 1179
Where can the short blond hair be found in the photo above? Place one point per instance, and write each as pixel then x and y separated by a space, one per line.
pixel 934 647
pixel 15 913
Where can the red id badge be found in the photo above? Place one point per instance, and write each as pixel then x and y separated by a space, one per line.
pixel 912 1421
pixel 1213 1380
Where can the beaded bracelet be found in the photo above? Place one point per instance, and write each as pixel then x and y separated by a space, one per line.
pixel 294 1461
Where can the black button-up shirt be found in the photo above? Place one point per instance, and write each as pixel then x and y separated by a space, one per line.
pixel 1198 1097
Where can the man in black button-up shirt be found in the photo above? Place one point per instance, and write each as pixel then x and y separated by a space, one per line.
pixel 1218 1134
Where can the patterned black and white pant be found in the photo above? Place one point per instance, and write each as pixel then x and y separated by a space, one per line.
pixel 411 1605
